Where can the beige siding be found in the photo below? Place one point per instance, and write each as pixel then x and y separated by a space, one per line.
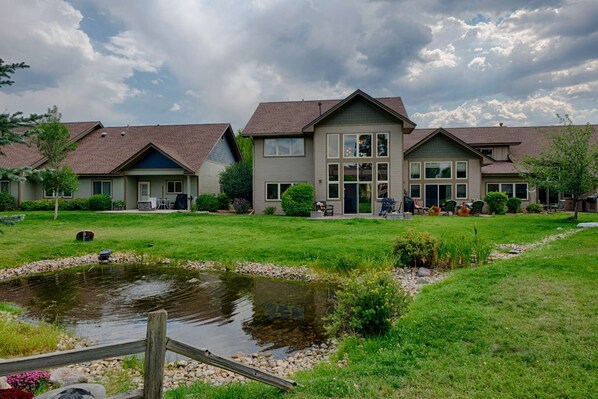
pixel 501 153
pixel 209 177
pixel 279 170
pixel 131 192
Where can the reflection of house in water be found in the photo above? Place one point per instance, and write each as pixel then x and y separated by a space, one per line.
pixel 288 315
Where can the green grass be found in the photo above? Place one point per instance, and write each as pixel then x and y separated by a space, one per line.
pixel 329 244
pixel 521 328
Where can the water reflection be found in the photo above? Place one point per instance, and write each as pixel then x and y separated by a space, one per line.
pixel 226 313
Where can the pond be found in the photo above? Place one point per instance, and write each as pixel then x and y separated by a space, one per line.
pixel 226 313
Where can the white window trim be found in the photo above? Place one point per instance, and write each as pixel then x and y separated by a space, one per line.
pixel 7 182
pixel 290 144
pixel 526 191
pixel 357 142
pixel 420 190
pixel 457 191
pixel 338 145
pixel 420 171
pixel 387 181
pixel 54 195
pixel 387 145
pixel 500 184
pixel 466 170
pixel 337 182
pixel 279 193
pixel 102 185
pixel 174 181
pixel 438 178
pixel 374 178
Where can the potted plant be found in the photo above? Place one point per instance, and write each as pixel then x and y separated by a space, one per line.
pixel 434 211
pixel 464 210
pixel 118 205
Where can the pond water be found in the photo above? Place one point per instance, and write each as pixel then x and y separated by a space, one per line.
pixel 225 313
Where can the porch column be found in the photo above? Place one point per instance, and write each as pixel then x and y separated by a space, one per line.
pixel 189 190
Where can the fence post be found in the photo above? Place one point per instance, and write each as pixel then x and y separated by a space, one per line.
pixel 155 353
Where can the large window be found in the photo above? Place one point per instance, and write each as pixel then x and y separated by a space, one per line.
pixel 333 150
pixel 353 172
pixel 274 191
pixel 461 167
pixel 101 187
pixel 50 194
pixel 415 170
pixel 382 178
pixel 357 145
pixel 284 147
pixel 518 190
pixel 4 186
pixel 415 190
pixel 333 181
pixel 382 144
pixel 174 187
pixel 438 170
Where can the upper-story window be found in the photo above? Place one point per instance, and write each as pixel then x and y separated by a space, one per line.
pixel 415 170
pixel 284 147
pixel 333 150
pixel 438 170
pixel 488 151
pixel 357 145
pixel 382 144
pixel 461 167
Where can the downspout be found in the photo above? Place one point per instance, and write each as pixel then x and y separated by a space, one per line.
pixel 189 195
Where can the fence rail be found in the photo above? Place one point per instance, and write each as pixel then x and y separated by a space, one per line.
pixel 154 346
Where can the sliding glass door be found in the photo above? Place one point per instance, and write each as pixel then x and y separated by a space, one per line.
pixel 437 194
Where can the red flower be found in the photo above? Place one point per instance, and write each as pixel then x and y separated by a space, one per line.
pixel 15 393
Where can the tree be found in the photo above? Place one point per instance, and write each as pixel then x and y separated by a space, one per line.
pixel 245 146
pixel 568 165
pixel 236 181
pixel 54 144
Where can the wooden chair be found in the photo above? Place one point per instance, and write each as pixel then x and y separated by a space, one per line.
pixel 322 206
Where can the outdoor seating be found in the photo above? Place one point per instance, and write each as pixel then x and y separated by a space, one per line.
pixel 418 207
pixel 476 207
pixel 450 206
pixel 163 203
pixel 321 206
pixel 388 206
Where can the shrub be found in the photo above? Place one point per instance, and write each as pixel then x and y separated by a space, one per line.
pixel 463 251
pixel 497 202
pixel 75 204
pixel 514 205
pixel 15 393
pixel 298 200
pixel 7 202
pixel 236 180
pixel 241 205
pixel 416 249
pixel 207 202
pixel 100 202
pixel 534 208
pixel 30 381
pixel 223 201
pixel 270 210
pixel 38 205
pixel 368 305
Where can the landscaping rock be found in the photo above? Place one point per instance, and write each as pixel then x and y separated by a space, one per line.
pixel 65 376
pixel 587 225
pixel 77 391
pixel 423 272
pixel 4 384
pixel 422 280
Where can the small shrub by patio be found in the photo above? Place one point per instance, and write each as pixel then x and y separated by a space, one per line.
pixel 298 200
pixel 514 205
pixel 368 305
pixel 100 202
pixel 270 210
pixel 207 202
pixel 416 249
pixel 497 202
pixel 224 201
pixel 7 202
pixel 31 381
pixel 75 204
pixel 241 205
pixel 534 208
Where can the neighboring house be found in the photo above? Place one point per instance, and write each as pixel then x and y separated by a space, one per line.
pixel 359 150
pixel 134 163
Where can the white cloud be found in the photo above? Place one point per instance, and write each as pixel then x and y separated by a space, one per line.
pixel 175 107
pixel 477 64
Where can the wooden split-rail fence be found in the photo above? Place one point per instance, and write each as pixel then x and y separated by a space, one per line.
pixel 154 346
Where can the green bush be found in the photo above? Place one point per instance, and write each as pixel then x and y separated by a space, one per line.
pixel 463 251
pixel 416 249
pixel 7 202
pixel 368 305
pixel 100 202
pixel 514 205
pixel 236 180
pixel 77 204
pixel 298 200
pixel 270 210
pixel 224 201
pixel 207 202
pixel 534 208
pixel 38 205
pixel 241 205
pixel 497 202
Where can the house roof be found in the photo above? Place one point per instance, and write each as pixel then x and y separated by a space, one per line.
pixel 292 117
pixel 104 150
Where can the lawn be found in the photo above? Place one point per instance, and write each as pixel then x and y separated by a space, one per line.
pixel 329 244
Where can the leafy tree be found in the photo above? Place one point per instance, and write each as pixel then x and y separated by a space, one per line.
pixel 246 146
pixel 568 165
pixel 54 143
pixel 236 181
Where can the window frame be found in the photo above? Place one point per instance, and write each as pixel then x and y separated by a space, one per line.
pixel 358 154
pixel 338 145
pixel 378 181
pixel 514 188
pixel 457 190
pixel 411 173
pixel 457 170
pixel 333 182
pixel 54 195
pixel 102 181
pixel 7 182
pixel 290 154
pixel 486 149
pixel 438 178
pixel 387 134
pixel 411 192
pixel 279 194
pixel 175 182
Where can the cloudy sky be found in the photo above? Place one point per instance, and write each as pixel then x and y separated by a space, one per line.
pixel 455 63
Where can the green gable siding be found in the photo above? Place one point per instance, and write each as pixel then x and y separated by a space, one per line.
pixel 358 112
pixel 440 147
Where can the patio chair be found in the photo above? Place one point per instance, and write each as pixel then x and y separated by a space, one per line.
pixel 450 206
pixel 476 207
pixel 388 206
pixel 322 206
pixel 419 209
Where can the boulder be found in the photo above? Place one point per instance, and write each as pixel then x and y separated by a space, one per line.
pixel 423 272
pixel 4 384
pixel 587 225
pixel 77 391
pixel 64 376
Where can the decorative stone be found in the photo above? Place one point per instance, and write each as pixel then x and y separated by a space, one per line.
pixel 423 272
pixel 422 280
pixel 408 216
pixel 515 251
pixel 587 225
pixel 77 391
pixel 4 384
pixel 395 216
pixel 65 376
pixel 316 215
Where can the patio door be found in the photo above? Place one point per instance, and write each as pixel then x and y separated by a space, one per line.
pixel 143 191
pixel 350 198
pixel 437 194
pixel 358 198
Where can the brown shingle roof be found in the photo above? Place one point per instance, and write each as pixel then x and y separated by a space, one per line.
pixel 290 117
